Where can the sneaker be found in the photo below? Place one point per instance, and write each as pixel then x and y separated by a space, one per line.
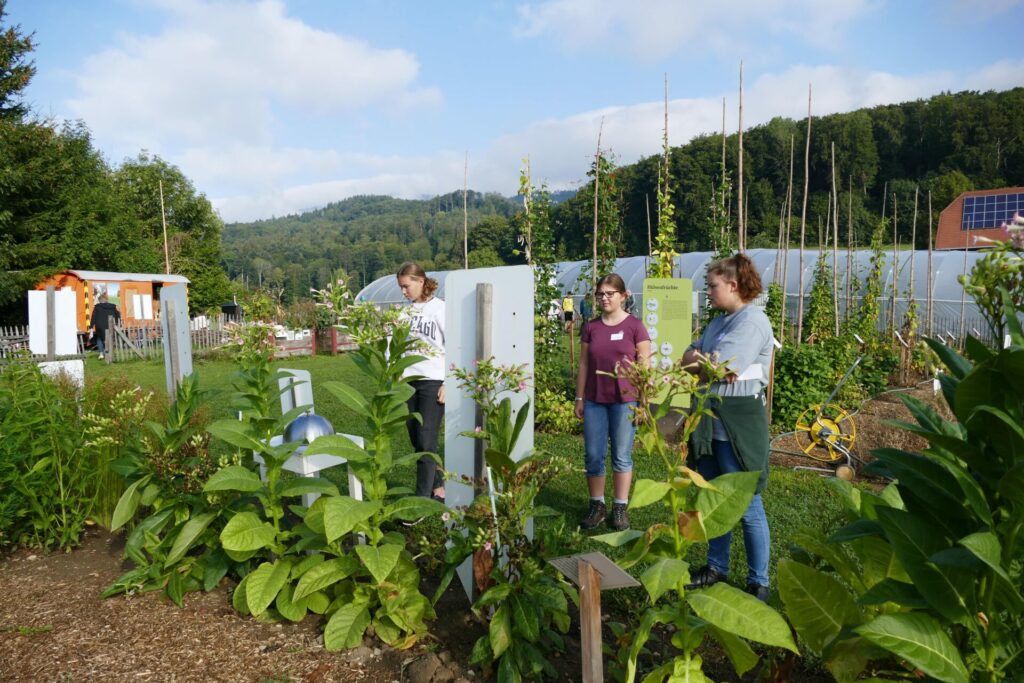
pixel 595 515
pixel 619 519
pixel 705 577
pixel 758 591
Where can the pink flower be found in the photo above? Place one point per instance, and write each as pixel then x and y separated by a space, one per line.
pixel 478 429
pixel 445 516
pixel 522 385
pixel 487 546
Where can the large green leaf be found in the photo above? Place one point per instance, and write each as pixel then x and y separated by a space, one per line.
pixel 343 513
pixel 237 434
pixel 290 608
pixel 325 574
pixel 743 658
pixel 618 538
pixel 957 364
pixel 264 583
pixel 817 604
pixel 647 492
pixel 926 479
pixel 833 555
pixel 525 622
pixel 191 531
pixel 345 628
pixel 300 486
pixel 127 504
pixel 1011 486
pixel 233 478
pixel 891 590
pixel 379 561
pixel 914 539
pixel 722 507
pixel 919 639
pixel 665 574
pixel 349 397
pixel 732 610
pixel 245 532
pixel 413 507
pixel 341 446
pixel 499 631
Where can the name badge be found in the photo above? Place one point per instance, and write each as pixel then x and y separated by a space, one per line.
pixel 617 336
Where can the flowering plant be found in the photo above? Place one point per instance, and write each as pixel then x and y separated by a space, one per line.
pixel 1002 267
pixel 526 599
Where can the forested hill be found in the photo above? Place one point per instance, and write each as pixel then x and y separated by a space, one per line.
pixel 946 145
pixel 368 235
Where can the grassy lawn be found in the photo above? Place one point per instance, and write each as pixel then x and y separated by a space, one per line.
pixel 792 500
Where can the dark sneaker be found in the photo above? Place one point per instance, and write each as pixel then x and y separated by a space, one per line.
pixel 619 519
pixel 595 515
pixel 758 591
pixel 705 577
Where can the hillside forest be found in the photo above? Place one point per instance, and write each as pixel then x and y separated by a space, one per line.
pixel 63 205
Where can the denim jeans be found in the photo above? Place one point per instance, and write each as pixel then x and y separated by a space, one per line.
pixel 756 538
pixel 424 435
pixel 603 422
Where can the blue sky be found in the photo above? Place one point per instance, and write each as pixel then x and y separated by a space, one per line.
pixel 276 106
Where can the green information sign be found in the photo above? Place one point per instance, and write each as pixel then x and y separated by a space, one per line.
pixel 668 316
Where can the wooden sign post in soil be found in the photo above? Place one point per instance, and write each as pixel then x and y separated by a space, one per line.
pixel 592 572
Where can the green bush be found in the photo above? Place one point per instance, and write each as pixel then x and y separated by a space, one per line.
pixel 554 413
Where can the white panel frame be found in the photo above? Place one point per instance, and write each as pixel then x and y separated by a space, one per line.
pixel 511 344
pixel 65 325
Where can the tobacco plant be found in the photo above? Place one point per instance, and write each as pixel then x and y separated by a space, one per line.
pixel 526 600
pixel 697 510
pixel 924 580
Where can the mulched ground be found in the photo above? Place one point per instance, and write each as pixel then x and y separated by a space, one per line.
pixel 55 627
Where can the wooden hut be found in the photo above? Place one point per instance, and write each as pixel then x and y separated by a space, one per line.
pixel 136 295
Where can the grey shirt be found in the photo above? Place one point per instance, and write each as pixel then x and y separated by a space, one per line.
pixel 740 340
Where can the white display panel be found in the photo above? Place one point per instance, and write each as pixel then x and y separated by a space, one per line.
pixel 175 295
pixel 65 322
pixel 511 344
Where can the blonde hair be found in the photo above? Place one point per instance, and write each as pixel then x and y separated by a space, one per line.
pixel 740 269
pixel 413 269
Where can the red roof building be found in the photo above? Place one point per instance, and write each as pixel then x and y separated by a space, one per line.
pixel 980 213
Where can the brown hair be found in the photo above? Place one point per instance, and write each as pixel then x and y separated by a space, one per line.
pixel 739 268
pixel 413 269
pixel 613 279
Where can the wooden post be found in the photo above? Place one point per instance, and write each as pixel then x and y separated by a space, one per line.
pixel 803 223
pixel 741 214
pixel 484 305
pixel 172 345
pixel 590 623
pixel 51 323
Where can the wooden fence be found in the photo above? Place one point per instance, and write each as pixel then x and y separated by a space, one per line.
pixel 14 342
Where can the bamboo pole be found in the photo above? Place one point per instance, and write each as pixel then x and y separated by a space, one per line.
pixel 963 293
pixel 465 213
pixel 803 221
pixel 723 152
pixel 835 245
pixel 849 249
pixel 597 186
pixel 913 252
pixel 895 267
pixel 740 207
pixel 789 226
pixel 163 221
pixel 647 210
pixel 930 300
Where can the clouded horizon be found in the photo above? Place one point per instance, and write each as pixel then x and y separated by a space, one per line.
pixel 273 107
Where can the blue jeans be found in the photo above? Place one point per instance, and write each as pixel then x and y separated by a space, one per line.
pixel 756 538
pixel 603 422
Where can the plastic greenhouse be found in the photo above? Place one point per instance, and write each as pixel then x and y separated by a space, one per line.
pixel 948 300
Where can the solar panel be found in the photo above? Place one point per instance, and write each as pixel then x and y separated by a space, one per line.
pixel 990 211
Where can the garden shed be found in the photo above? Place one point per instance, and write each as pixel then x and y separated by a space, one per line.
pixel 136 295
pixel 948 298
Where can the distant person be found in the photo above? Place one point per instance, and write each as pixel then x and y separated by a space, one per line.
pixel 740 342
pixel 426 315
pixel 568 311
pixel 606 403
pixel 102 314
pixel 586 310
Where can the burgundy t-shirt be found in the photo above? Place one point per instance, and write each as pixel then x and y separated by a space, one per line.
pixel 608 346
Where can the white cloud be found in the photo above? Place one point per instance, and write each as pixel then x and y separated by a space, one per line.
pixel 561 150
pixel 655 29
pixel 221 69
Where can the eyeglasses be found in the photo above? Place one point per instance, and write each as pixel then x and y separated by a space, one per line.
pixel 606 295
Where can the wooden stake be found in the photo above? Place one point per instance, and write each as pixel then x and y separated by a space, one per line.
pixel 740 207
pixel 789 226
pixel 803 222
pixel 895 267
pixel 913 253
pixel 835 244
pixel 163 220
pixel 590 623
pixel 647 210
pixel 963 293
pixel 597 186
pixel 465 213
pixel 849 250
pixel 930 300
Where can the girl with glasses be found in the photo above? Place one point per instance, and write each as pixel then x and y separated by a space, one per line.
pixel 605 403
